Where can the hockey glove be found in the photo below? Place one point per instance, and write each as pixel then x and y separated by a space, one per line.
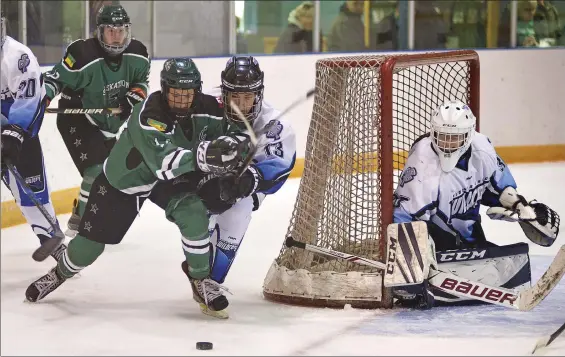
pixel 220 193
pixel 12 140
pixel 232 188
pixel 539 222
pixel 222 155
pixel 132 97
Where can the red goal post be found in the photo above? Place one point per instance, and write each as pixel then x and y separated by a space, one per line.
pixel 367 112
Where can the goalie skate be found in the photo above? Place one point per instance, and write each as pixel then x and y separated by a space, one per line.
pixel 208 294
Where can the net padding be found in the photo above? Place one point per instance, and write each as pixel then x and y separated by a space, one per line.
pixel 344 200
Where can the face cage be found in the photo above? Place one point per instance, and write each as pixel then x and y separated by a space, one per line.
pixel 443 145
pixel 180 113
pixel 253 113
pixel 114 49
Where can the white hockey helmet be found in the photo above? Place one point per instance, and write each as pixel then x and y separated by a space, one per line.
pixel 453 128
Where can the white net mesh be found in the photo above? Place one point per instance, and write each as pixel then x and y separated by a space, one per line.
pixel 367 113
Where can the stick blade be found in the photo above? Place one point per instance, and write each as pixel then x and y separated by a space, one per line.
pixel 48 247
pixel 530 298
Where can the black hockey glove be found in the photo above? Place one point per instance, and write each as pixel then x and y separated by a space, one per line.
pixel 220 193
pixel 12 140
pixel 132 97
pixel 222 155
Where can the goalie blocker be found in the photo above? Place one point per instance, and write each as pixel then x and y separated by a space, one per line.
pixel 411 255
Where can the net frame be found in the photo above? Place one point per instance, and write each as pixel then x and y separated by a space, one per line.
pixel 329 288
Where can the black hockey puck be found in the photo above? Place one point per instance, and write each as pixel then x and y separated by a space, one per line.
pixel 204 345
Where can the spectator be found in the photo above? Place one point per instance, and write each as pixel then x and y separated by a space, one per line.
pixel 526 35
pixel 297 36
pixel 430 27
pixel 468 24
pixel 546 23
pixel 240 41
pixel 348 32
pixel 387 31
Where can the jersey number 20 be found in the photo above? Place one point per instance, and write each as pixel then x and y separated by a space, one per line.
pixel 27 88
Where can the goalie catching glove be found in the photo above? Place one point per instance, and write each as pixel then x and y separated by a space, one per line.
pixel 539 222
pixel 222 155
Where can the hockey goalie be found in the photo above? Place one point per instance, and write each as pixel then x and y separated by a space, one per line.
pixel 449 173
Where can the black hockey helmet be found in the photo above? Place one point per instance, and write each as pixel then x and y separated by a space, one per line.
pixel 242 82
pixel 183 75
pixel 117 21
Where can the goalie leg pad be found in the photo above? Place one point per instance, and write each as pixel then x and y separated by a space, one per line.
pixel 409 254
pixel 505 266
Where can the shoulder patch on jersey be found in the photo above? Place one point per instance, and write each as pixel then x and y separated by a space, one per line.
pixel 275 130
pixel 407 175
pixel 23 63
pixel 162 127
pixel 69 60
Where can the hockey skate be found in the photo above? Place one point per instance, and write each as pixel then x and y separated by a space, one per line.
pixel 59 252
pixel 74 221
pixel 208 294
pixel 44 285
pixel 56 254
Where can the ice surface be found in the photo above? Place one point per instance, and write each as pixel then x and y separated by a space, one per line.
pixel 135 300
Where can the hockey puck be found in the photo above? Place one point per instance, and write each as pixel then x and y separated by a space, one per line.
pixel 204 345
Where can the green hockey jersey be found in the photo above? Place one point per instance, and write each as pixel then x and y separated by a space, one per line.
pixel 101 81
pixel 153 147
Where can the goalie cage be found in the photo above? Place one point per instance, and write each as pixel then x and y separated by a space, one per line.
pixel 367 112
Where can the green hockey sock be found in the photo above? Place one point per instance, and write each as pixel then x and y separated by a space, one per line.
pixel 90 174
pixel 80 253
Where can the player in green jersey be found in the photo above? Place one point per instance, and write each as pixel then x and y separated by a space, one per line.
pixel 177 135
pixel 107 71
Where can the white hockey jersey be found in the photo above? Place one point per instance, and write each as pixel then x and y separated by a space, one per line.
pixel 276 152
pixel 450 200
pixel 22 87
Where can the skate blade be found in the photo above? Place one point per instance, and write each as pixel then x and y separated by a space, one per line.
pixel 222 314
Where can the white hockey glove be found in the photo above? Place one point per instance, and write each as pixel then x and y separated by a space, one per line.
pixel 539 222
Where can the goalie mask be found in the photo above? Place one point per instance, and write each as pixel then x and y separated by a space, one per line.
pixel 113 29
pixel 180 85
pixel 453 128
pixel 242 83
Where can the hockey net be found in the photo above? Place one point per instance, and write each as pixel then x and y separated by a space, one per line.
pixel 367 112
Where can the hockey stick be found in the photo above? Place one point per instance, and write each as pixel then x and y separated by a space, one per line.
pixel 524 300
pixel 545 341
pixel 51 244
pixel 253 135
pixel 105 111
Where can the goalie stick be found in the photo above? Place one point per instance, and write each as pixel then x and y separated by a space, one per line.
pixel 253 135
pixel 545 341
pixel 51 244
pixel 524 300
pixel 105 111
